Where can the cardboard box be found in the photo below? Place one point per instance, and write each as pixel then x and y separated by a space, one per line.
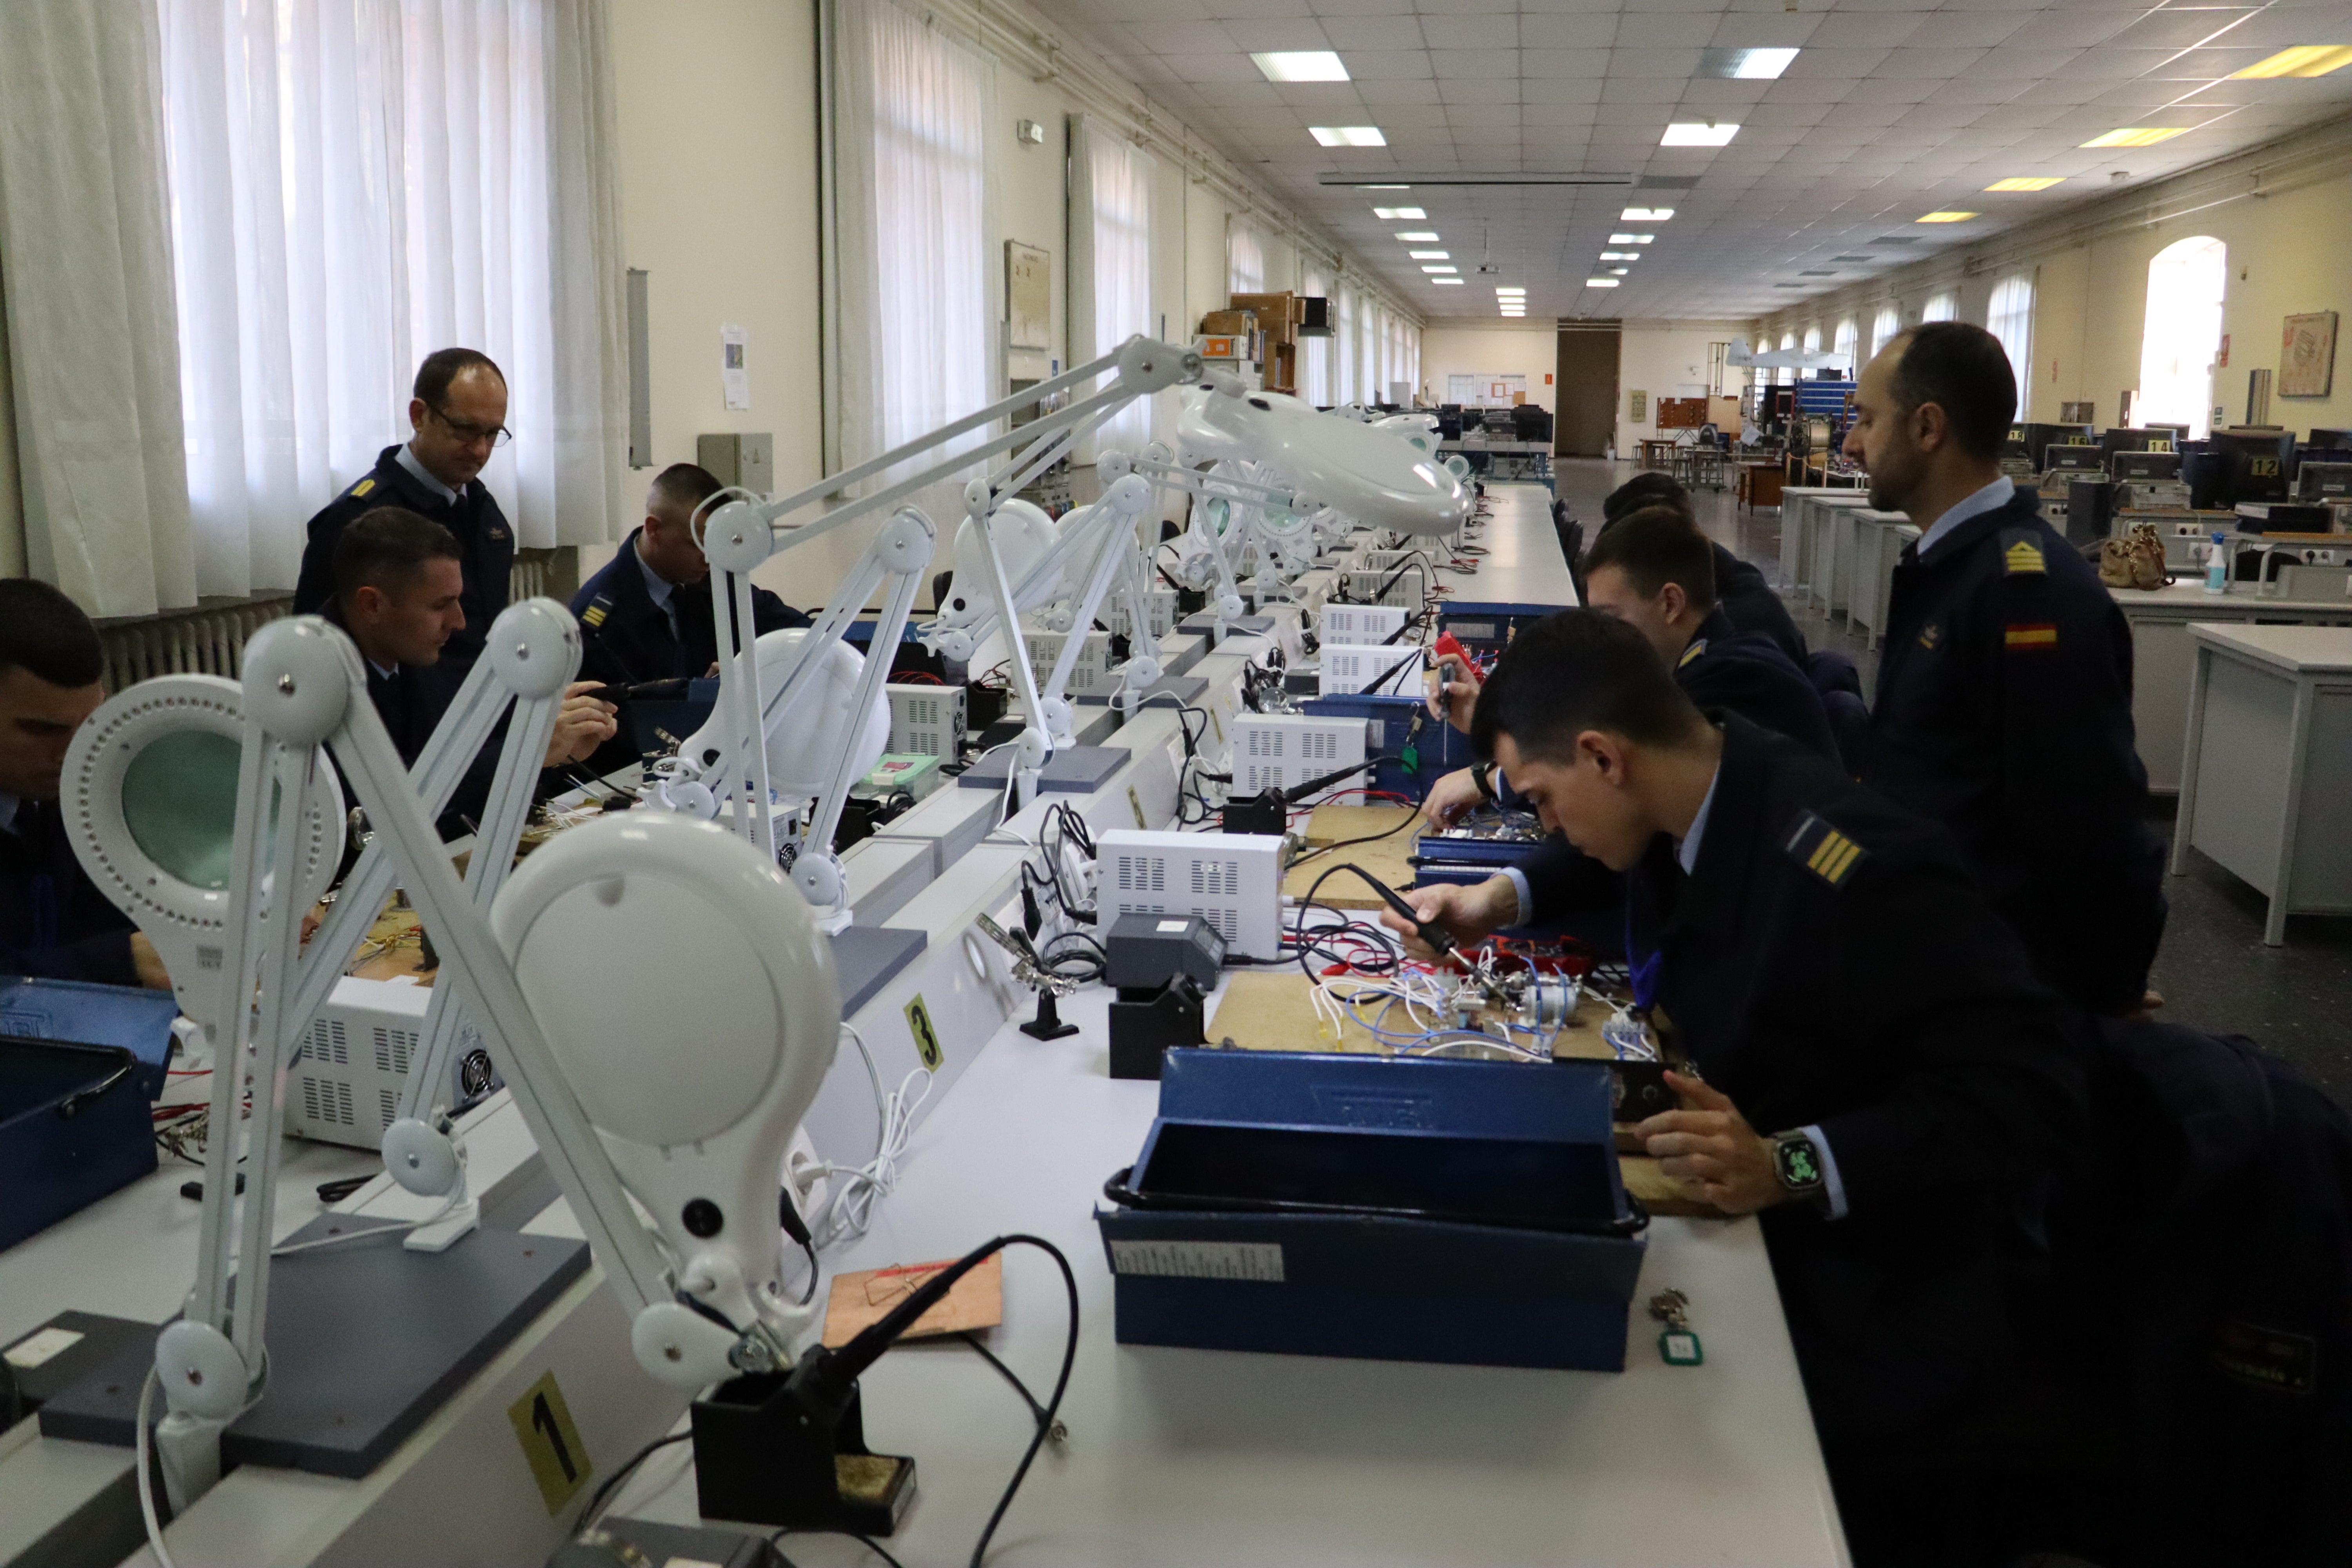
pixel 1397 1209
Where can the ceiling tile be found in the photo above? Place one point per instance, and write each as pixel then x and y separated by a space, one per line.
pixel 1937 64
pixel 1183 38
pixel 1388 65
pixel 1381 95
pixel 1280 33
pixel 1582 64
pixel 1488 65
pixel 1223 66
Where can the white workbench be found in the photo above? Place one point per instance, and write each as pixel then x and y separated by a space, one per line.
pixel 2162 659
pixel 1523 565
pixel 2268 766
pixel 1879 540
pixel 1184 1456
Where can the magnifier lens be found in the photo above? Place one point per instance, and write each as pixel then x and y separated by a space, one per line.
pixel 179 801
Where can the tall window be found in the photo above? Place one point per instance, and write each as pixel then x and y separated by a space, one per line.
pixel 1345 349
pixel 354 184
pixel 1942 308
pixel 2185 284
pixel 1787 374
pixel 1813 340
pixel 1843 344
pixel 1883 329
pixel 1244 258
pixel 914 274
pixel 2009 318
pixel 1110 264
pixel 1315 356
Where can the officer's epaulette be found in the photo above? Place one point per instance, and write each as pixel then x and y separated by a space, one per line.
pixel 358 492
pixel 1822 849
pixel 2020 552
pixel 1691 653
pixel 598 608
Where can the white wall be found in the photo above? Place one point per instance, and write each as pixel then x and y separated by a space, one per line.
pixel 1663 359
pixel 1455 348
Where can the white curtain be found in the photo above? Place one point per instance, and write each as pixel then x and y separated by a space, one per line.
pixel 2186 284
pixel 93 367
pixel 2009 318
pixel 1244 258
pixel 1843 344
pixel 1883 329
pixel 1111 181
pixel 1315 354
pixel 1343 346
pixel 1942 308
pixel 356 183
pixel 912 108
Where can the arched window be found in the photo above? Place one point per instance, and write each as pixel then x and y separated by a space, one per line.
pixel 2185 283
pixel 1883 330
pixel 1942 308
pixel 2009 317
pixel 1843 344
pixel 1785 377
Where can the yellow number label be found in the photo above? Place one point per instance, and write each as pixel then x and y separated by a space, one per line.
pixel 927 1039
pixel 558 1460
pixel 1135 804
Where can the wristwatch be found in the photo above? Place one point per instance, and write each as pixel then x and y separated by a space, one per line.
pixel 1797 1161
pixel 1483 775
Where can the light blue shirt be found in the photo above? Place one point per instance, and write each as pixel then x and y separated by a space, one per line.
pixel 406 458
pixel 1992 498
pixel 657 588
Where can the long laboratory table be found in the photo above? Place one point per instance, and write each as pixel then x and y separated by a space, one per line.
pixel 1523 565
pixel 1184 1456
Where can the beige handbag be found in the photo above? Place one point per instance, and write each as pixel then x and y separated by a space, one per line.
pixel 2135 561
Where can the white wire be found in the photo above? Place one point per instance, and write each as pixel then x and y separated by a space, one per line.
pixel 438 1215
pixel 851 1208
pixel 146 1487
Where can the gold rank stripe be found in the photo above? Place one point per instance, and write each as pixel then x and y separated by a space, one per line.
pixel 1691 653
pixel 1834 856
pixel 2025 556
pixel 2037 635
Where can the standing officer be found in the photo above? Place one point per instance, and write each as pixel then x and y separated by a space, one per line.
pixel 458 416
pixel 648 615
pixel 2004 689
pixel 1884 1079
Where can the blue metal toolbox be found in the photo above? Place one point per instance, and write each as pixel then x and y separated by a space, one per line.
pixel 137 1019
pixel 73 1128
pixel 1397 1209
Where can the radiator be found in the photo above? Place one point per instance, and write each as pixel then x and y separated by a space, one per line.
pixel 212 641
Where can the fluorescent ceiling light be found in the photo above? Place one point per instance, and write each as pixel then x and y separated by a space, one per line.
pixel 1601 283
pixel 1348 135
pixel 1431 255
pixel 1698 133
pixel 1618 271
pixel 1417 235
pixel 1392 214
pixel 1752 65
pixel 1504 293
pixel 1645 214
pixel 1944 217
pixel 1301 64
pixel 1631 238
pixel 2136 136
pixel 1455 281
pixel 2024 183
pixel 2303 60
pixel 1621 255
pixel 1383 187
pixel 1441 269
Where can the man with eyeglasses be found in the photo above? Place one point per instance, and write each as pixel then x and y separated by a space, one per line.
pixel 459 415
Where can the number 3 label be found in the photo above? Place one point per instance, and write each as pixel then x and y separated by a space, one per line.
pixel 558 1460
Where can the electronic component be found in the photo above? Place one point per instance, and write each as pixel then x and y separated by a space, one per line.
pixel 1147 1022
pixel 1361 623
pixel 1092 669
pixel 1143 950
pixel 1159 610
pixel 894 774
pixel 2323 482
pixel 1403 586
pixel 1350 668
pixel 346 1086
pixel 927 720
pixel 1232 880
pixel 1281 750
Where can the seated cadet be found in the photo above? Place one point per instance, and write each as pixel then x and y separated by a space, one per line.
pixel 399 592
pixel 457 417
pixel 2004 689
pixel 1654 569
pixel 54 923
pixel 1866 1057
pixel 648 615
pixel 1750 601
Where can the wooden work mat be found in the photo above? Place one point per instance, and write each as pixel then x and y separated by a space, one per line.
pixel 1271 1010
pixel 1387 858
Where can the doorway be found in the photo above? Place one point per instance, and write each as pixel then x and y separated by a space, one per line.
pixel 1588 389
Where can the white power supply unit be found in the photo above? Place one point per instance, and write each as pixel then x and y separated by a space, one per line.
pixel 1090 672
pixel 1233 880
pixel 1347 668
pixel 345 1086
pixel 1361 623
pixel 1283 751
pixel 1158 607
pixel 1404 587
pixel 927 720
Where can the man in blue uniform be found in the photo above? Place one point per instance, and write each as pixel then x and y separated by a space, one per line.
pixel 399 592
pixel 1864 1057
pixel 2004 689
pixel 648 615
pixel 54 921
pixel 1749 602
pixel 458 418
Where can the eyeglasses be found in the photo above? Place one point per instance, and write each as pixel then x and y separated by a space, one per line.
pixel 470 433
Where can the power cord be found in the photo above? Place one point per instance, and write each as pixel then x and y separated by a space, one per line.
pixel 851 1209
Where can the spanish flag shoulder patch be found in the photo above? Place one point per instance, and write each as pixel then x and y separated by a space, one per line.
pixel 1822 849
pixel 359 491
pixel 598 608
pixel 1691 653
pixel 2020 552
pixel 2025 635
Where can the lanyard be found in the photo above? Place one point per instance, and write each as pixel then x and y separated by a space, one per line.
pixel 1641 972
